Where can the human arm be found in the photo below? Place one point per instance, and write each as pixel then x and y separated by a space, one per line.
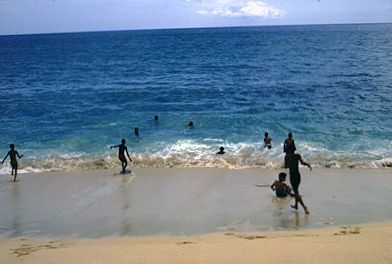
pixel 20 156
pixel 114 146
pixel 294 148
pixel 305 163
pixel 273 186
pixel 5 157
pixel 126 149
pixel 289 191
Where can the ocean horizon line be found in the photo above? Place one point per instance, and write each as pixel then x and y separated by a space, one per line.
pixel 191 28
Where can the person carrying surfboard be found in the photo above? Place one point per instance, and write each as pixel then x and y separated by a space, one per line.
pixel 121 154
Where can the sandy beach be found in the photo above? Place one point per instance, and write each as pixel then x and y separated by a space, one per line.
pixel 347 244
pixel 198 215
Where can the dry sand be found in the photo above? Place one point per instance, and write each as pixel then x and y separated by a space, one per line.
pixel 349 244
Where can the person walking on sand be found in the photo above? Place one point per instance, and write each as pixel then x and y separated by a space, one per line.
pixel 14 163
pixel 121 154
pixel 288 147
pixel 295 178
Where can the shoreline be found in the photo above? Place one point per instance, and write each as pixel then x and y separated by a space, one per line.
pixel 370 243
pixel 172 201
pixel 198 215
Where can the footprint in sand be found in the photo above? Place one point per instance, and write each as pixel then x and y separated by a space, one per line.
pixel 348 230
pixel 186 243
pixel 248 237
pixel 26 249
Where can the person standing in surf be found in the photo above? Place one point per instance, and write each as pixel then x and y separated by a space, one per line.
pixel 14 163
pixel 288 147
pixel 121 154
pixel 295 178
pixel 267 141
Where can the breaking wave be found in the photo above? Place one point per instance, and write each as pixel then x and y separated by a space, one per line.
pixel 190 153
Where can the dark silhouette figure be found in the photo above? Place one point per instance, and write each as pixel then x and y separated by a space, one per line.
pixel 14 163
pixel 137 133
pixel 267 141
pixel 221 151
pixel 121 154
pixel 190 125
pixel 288 147
pixel 295 178
pixel 156 118
pixel 281 189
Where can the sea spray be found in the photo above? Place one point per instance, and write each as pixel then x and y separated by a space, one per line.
pixel 191 153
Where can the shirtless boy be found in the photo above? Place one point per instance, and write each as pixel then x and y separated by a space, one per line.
pixel 14 163
pixel 121 154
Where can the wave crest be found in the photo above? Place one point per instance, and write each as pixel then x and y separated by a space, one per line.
pixel 189 153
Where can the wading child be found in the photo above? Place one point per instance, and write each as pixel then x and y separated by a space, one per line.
pixel 14 163
pixel 121 154
pixel 281 189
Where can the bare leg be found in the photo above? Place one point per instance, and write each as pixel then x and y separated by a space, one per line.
pixel 298 198
pixel 16 173
pixel 124 165
pixel 303 205
pixel 296 195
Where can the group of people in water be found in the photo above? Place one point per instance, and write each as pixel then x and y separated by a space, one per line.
pixel 282 190
pixel 291 161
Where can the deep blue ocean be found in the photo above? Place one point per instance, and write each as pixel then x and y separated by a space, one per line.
pixel 65 98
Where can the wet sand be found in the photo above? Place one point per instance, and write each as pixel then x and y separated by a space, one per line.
pixel 195 216
pixel 161 202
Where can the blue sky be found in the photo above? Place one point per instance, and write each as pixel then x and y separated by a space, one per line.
pixel 46 16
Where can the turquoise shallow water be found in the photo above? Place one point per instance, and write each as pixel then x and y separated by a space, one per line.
pixel 65 98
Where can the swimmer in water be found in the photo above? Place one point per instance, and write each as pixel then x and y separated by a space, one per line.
pixel 221 151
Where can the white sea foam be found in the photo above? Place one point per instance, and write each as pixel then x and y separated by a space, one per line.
pixel 387 162
pixel 191 153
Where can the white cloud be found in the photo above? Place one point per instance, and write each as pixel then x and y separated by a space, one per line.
pixel 230 8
